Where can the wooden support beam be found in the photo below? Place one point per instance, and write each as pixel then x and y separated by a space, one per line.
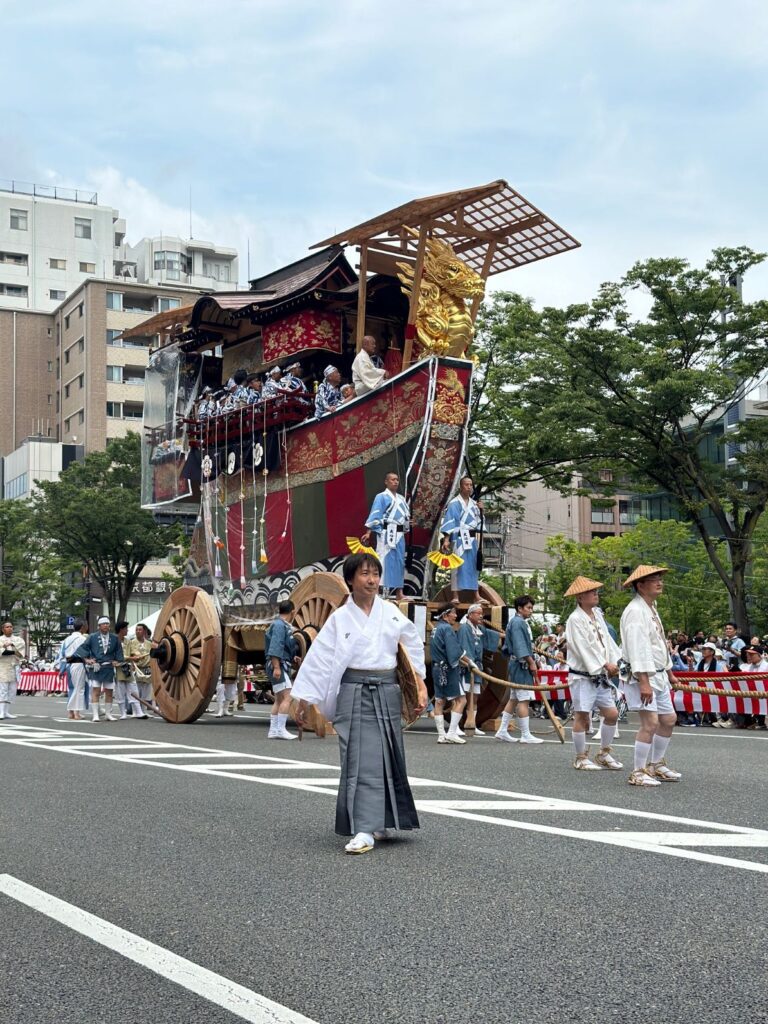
pixel 410 328
pixel 361 296
pixel 484 274
pixel 384 263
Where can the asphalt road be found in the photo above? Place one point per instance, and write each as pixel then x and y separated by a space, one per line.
pixel 528 911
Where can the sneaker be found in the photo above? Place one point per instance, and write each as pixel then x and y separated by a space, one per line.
pixel 362 843
pixel 530 739
pixel 726 725
pixel 660 770
pixel 95 718
pixel 441 737
pixel 583 763
pixel 109 717
pixel 454 738
pixel 606 760
pixel 507 737
pixel 640 777
pixel 285 735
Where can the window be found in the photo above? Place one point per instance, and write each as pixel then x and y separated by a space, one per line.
pixel 57 294
pixel 115 374
pixel 80 309
pixel 50 366
pixel 133 412
pixel 66 395
pixel 114 300
pixel 66 425
pixel 606 476
pixel 19 220
pixel 17 291
pixel 82 227
pixel 67 356
pixel 173 263
pixel 114 410
pixel 81 344
pixel 631 510
pixel 113 338
pixel 16 259
pixel 601 514
pixel 58 264
pixel 66 322
pixel 81 417
pixel 87 268
pixel 163 305
pixel 80 381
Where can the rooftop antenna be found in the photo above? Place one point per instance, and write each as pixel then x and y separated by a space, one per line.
pixel 248 259
pixel 190 213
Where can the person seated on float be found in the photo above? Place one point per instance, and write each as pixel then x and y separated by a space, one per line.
pixel 206 404
pixel 253 388
pixel 328 393
pixel 291 380
pixel 237 393
pixel 272 387
pixel 368 369
pixel 347 393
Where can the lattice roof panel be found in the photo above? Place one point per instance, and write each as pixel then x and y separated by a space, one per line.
pixel 472 220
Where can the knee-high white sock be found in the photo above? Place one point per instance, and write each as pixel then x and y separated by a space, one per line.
pixel 659 748
pixel 506 718
pixel 272 723
pixel 440 724
pixel 455 719
pixel 580 742
pixel 524 726
pixel 607 732
pixel 642 750
pixel 281 722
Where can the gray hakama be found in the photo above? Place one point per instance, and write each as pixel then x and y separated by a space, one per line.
pixel 373 788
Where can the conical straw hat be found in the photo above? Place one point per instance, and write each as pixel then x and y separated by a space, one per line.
pixel 641 572
pixel 581 585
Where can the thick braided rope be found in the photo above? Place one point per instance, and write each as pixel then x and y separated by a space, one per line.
pixel 522 686
pixel 716 691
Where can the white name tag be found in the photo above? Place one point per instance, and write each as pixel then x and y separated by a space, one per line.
pixel 466 540
pixel 390 535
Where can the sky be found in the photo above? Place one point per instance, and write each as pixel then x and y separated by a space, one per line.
pixel 640 127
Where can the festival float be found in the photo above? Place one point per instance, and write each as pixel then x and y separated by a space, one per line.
pixel 276 493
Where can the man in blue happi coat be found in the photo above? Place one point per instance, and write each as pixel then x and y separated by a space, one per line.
pixel 461 525
pixel 328 395
pixel 447 659
pixel 389 519
pixel 280 650
pixel 101 652
pixel 523 668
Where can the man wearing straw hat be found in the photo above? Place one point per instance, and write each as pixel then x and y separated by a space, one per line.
pixel 648 691
pixel 592 659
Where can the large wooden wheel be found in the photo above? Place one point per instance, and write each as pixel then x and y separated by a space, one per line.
pixel 315 599
pixel 188 662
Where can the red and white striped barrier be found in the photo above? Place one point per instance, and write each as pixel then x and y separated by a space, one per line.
pixel 755 682
pixel 37 682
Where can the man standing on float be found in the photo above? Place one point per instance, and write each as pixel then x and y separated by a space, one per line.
pixel 462 521
pixel 389 518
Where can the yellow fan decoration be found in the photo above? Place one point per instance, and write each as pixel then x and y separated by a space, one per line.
pixel 443 560
pixel 355 545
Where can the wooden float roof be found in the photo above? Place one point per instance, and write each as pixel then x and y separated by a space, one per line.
pixel 472 220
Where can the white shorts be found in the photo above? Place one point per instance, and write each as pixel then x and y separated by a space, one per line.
pixel 661 703
pixel 586 696
pixel 475 684
pixel 519 695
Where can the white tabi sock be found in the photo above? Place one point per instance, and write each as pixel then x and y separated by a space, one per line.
pixel 659 748
pixel 580 742
pixel 524 726
pixel 506 718
pixel 439 721
pixel 455 719
pixel 642 750
pixel 272 724
pixel 607 732
pixel 281 722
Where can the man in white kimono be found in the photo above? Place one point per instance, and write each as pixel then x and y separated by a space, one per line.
pixel 350 673
pixel 11 653
pixel 462 521
pixel 648 691
pixel 593 659
pixel 389 519
pixel 367 369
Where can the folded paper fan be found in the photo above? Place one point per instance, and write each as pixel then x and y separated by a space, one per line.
pixel 355 545
pixel 445 561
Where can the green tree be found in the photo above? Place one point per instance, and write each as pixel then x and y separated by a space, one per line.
pixel 36 580
pixel 694 596
pixel 93 513
pixel 593 388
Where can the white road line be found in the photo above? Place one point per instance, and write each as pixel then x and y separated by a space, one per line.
pixel 241 1001
pixel 465 808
